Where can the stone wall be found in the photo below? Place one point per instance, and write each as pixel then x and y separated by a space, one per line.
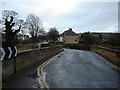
pixel 110 54
pixel 27 58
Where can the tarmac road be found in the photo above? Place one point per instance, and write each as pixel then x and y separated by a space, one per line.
pixel 80 69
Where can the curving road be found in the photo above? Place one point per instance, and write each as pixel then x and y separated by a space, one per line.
pixel 80 69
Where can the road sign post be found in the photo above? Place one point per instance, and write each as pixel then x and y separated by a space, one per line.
pixel 14 59
pixel 8 53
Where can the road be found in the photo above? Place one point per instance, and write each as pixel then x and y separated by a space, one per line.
pixel 80 69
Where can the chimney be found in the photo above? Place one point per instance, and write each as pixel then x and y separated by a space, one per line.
pixel 70 29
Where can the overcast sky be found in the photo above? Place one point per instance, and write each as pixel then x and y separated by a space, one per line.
pixel 63 14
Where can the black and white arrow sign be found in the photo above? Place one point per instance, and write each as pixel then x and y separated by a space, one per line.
pixel 8 52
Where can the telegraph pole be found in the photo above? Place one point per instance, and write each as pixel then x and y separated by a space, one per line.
pixel 0 61
pixel 0 39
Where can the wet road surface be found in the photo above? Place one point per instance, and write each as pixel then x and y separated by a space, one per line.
pixel 80 69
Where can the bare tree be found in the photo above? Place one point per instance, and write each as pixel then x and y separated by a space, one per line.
pixel 23 26
pixel 53 34
pixel 10 27
pixel 34 26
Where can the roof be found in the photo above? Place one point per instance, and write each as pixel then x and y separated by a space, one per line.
pixel 69 32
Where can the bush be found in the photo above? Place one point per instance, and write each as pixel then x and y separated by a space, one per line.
pixel 77 46
pixel 114 39
pixel 88 39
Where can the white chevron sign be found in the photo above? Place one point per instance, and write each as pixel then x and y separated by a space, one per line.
pixel 16 51
pixel 8 52
pixel 2 54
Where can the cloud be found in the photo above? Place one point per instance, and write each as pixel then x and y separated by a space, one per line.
pixel 81 16
pixel 91 17
pixel 43 7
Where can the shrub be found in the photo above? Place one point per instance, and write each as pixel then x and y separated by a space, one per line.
pixel 77 46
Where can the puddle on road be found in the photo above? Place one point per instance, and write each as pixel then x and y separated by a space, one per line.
pixel 32 75
pixel 59 56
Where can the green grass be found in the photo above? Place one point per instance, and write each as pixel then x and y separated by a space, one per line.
pixel 110 46
pixel 28 46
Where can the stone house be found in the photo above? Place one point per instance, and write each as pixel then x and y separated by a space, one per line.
pixel 69 37
pixel 22 37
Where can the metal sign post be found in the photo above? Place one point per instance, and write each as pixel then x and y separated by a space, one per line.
pixel 8 53
pixel 14 59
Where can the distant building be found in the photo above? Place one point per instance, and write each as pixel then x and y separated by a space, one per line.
pixel 23 37
pixel 69 37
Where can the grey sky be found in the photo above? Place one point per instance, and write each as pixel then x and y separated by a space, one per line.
pixel 63 14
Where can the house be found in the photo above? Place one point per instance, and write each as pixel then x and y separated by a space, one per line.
pixel 22 37
pixel 69 37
